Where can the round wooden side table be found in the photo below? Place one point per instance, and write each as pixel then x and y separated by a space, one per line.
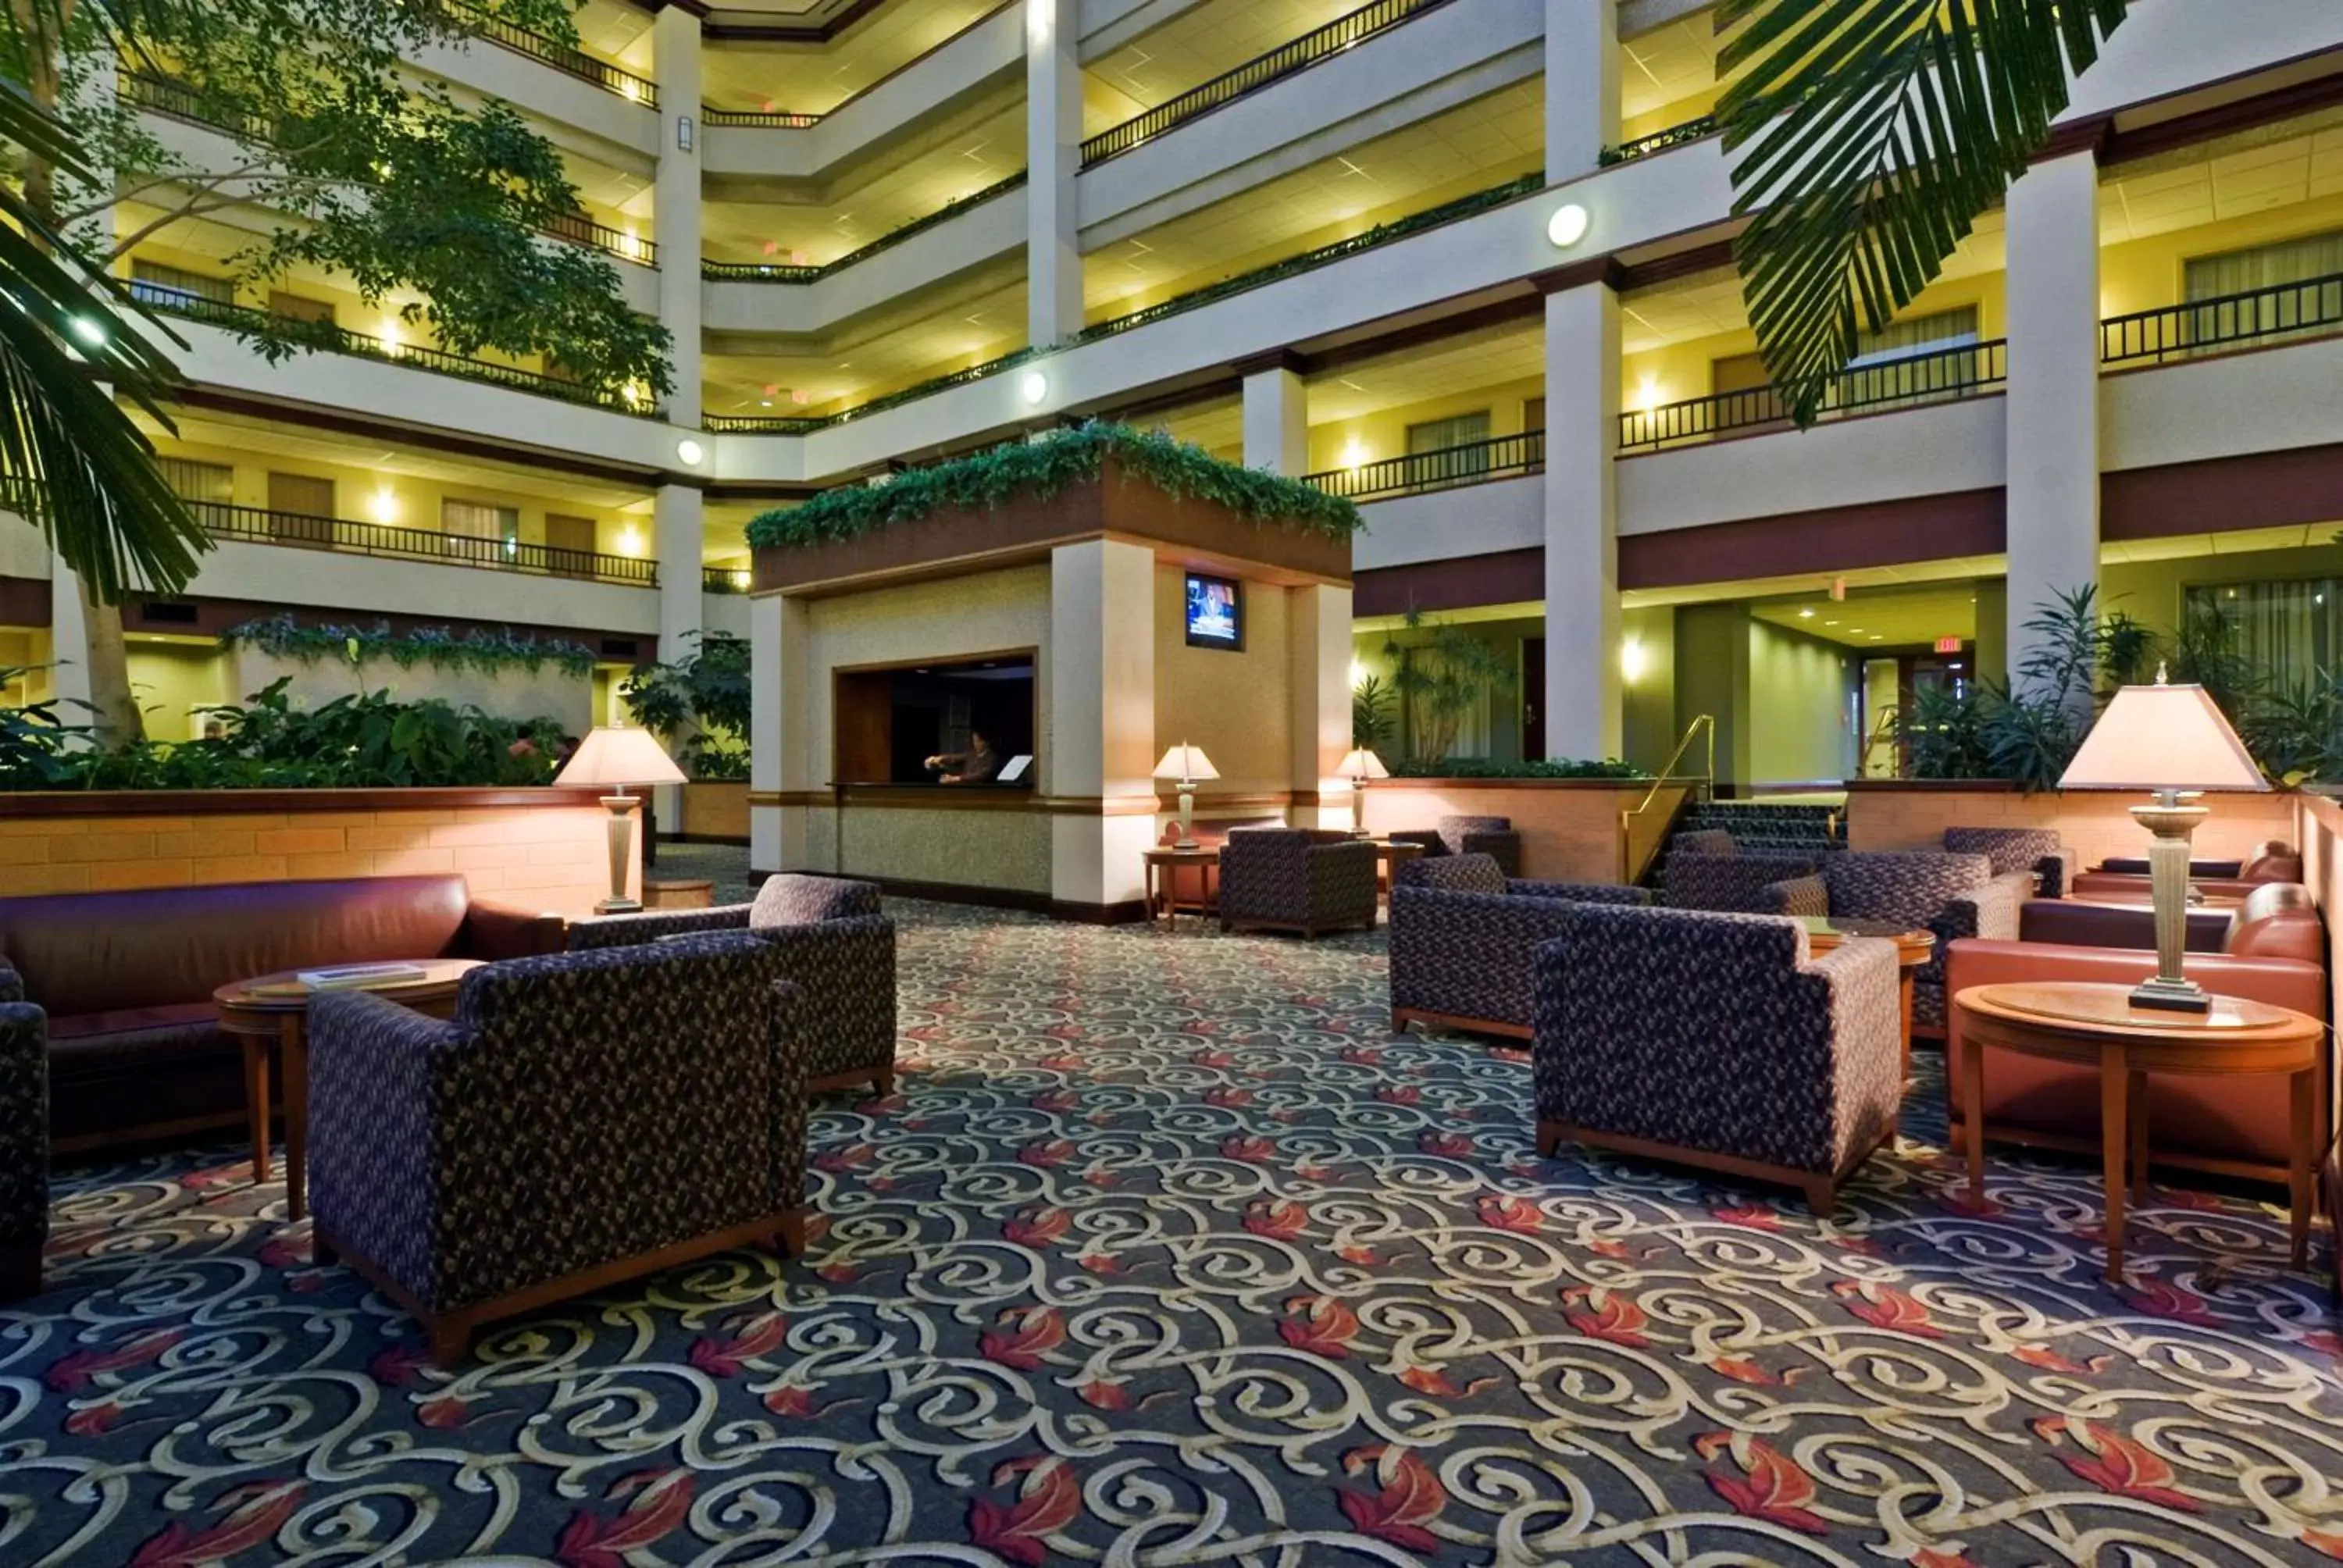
pixel 1163 865
pixel 1915 946
pixel 2097 1025
pixel 274 1008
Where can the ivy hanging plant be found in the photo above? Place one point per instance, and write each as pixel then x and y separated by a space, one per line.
pixel 435 646
pixel 1041 470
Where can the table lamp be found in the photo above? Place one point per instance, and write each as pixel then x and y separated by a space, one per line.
pixel 615 759
pixel 1187 764
pixel 1358 766
pixel 2172 741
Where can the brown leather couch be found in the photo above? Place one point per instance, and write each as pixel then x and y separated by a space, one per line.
pixel 127 978
pixel 2272 949
pixel 2273 861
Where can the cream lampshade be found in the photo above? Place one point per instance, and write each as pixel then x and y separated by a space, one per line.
pixel 1187 764
pixel 615 758
pixel 2173 742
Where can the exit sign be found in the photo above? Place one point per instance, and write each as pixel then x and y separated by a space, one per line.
pixel 1948 645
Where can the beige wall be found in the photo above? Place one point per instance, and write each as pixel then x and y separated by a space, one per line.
pixel 1237 706
pixel 1798 719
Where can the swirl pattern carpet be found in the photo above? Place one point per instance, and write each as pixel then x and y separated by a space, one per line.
pixel 1167 1252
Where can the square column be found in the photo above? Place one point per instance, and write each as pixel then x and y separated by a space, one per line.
pixel 1581 85
pixel 674 200
pixel 1276 413
pixel 1053 156
pixel 780 670
pixel 2053 404
pixel 1583 715
pixel 1318 632
pixel 676 523
pixel 1099 695
pixel 69 649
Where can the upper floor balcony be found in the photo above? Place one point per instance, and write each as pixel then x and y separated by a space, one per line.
pixel 298 530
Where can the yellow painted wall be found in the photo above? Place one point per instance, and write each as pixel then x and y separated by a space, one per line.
pixel 2153 591
pixel 1384 433
pixel 1237 706
pixel 26 648
pixel 2146 273
pixel 1798 713
pixel 170 680
pixel 1647 685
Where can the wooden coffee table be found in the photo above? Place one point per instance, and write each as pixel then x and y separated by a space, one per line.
pixel 1163 863
pixel 274 1008
pixel 1391 854
pixel 1914 948
pixel 2097 1025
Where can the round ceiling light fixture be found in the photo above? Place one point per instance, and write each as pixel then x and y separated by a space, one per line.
pixel 1033 387
pixel 689 451
pixel 1567 226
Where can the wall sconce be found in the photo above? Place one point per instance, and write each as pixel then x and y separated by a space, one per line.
pixel 383 507
pixel 1033 388
pixel 1354 454
pixel 630 540
pixel 1633 660
pixel 1567 226
pixel 689 452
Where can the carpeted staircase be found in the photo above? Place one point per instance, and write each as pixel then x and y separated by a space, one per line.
pixel 1794 827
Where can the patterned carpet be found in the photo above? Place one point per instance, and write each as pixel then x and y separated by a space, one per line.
pixel 1168 1253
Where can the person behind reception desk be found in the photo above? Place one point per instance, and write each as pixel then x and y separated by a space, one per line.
pixel 977 765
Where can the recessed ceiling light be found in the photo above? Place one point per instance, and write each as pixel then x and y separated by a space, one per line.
pixel 690 450
pixel 1830 623
pixel 1853 631
pixel 1805 615
pixel 1877 637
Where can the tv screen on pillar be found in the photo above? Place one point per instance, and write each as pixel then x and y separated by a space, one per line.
pixel 1215 612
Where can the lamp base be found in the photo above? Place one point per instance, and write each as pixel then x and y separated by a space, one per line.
pixel 2171 996
pixel 619 907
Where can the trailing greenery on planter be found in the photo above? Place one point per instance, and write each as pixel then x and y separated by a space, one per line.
pixel 436 647
pixel 1493 767
pixel 704 698
pixel 1039 470
pixel 357 742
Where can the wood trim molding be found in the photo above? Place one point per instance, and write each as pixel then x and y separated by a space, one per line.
pixel 2088 135
pixel 1607 270
pixel 221 802
pixel 950 798
pixel 1275 360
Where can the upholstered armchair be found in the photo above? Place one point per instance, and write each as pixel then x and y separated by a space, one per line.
pixel 836 945
pixel 1706 870
pixel 1464 938
pixel 1954 896
pixel 1306 879
pixel 23 1139
pixel 2011 849
pixel 1492 835
pixel 1717 1040
pixel 585 1118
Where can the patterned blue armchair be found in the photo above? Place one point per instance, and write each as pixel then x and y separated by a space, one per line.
pixel 1303 879
pixel 1706 870
pixel 1462 939
pixel 2039 850
pixel 1954 896
pixel 585 1118
pixel 1494 837
pixel 838 947
pixel 23 1139
pixel 1717 1040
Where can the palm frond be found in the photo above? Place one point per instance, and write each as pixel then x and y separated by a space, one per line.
pixel 1868 135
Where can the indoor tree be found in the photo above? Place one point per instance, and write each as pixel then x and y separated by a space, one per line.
pixel 1867 136
pixel 1442 675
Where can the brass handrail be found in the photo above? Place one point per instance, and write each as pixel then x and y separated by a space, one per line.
pixel 1703 784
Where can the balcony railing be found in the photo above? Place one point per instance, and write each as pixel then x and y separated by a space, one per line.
pixel 763 424
pixel 560 57
pixel 1502 456
pixel 1939 376
pixel 1302 53
pixel 2311 309
pixel 335 339
pixel 766 272
pixel 770 119
pixel 1691 130
pixel 261 526
pixel 724 579
pixel 579 229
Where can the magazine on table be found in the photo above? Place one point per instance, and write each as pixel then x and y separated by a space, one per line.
pixel 360 977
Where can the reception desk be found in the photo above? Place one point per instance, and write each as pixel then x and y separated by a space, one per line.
pixel 959 837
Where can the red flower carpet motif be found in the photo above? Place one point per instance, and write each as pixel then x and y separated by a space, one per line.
pixel 1164 1251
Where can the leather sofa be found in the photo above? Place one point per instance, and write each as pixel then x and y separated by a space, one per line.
pixel 2270 950
pixel 126 980
pixel 2273 861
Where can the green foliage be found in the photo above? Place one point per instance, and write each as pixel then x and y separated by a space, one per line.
pixel 1371 713
pixel 704 699
pixel 2027 731
pixel 1492 768
pixel 1037 470
pixel 360 741
pixel 435 648
pixel 1442 680
pixel 1867 136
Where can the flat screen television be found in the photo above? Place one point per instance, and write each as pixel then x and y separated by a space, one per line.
pixel 1215 612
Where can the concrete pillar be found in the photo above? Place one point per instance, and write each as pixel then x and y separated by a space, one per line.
pixel 1318 632
pixel 2053 404
pixel 1276 414
pixel 69 643
pixel 676 521
pixel 779 746
pixel 1583 715
pixel 1098 691
pixel 1053 156
pixel 675 199
pixel 1581 85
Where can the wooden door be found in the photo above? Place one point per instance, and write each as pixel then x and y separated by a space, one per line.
pixel 302 506
pixel 1533 698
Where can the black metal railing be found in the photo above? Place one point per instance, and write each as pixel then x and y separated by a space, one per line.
pixel 1308 50
pixel 1501 457
pixel 259 525
pixel 766 272
pixel 560 57
pixel 335 339
pixel 770 119
pixel 2311 309
pixel 1938 376
pixel 762 424
pixel 579 228
pixel 1691 130
pixel 724 579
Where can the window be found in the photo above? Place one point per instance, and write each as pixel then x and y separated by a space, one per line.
pixel 1451 450
pixel 2264 266
pixel 891 720
pixel 570 542
pixel 204 484
pixel 2217 280
pixel 2292 630
pixel 479 520
pixel 1882 374
pixel 173 285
